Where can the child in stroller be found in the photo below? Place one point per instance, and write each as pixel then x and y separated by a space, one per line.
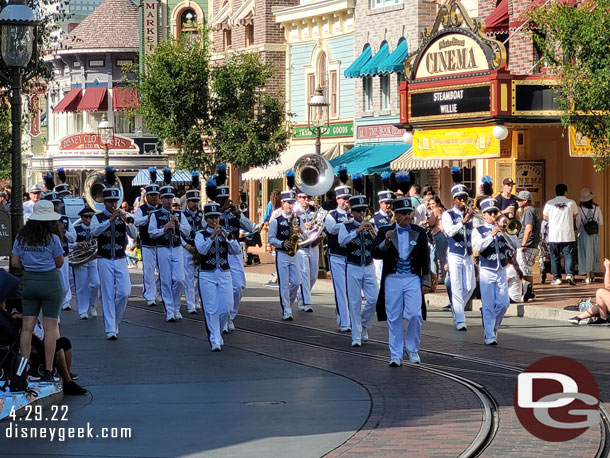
pixel 544 253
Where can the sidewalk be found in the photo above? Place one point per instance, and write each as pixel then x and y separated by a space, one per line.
pixel 552 302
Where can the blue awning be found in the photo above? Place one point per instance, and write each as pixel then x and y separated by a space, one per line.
pixel 353 71
pixel 179 178
pixel 370 159
pixel 372 66
pixel 395 62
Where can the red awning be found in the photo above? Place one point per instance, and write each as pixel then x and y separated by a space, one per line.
pixel 69 102
pixel 124 98
pixel 95 99
pixel 497 21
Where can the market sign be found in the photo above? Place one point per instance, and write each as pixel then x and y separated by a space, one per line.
pixel 91 141
pixel 456 143
pixel 150 25
pixel 449 103
pixel 344 129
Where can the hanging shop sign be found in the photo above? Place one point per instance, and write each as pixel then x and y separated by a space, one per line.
pixel 379 131
pixel 580 146
pixel 454 47
pixel 454 102
pixel 150 25
pixel 338 130
pixel 456 143
pixel 530 177
pixel 91 141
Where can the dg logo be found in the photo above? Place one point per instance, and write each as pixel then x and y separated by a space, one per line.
pixel 556 399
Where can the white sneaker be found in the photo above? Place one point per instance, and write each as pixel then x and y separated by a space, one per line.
pixel 588 280
pixel 461 327
pixel 178 316
pixel 151 303
pixel 83 316
pixel 111 336
pixel 492 341
pixel 556 282
pixel 170 318
pixel 66 306
pixel 356 343
pixel 395 362
pixel 365 335
pixel 345 329
pixel 192 311
pixel 231 326
pixel 307 308
pixel 301 306
pixel 570 279
pixel 216 348
pixel 198 307
pixel 92 312
pixel 414 357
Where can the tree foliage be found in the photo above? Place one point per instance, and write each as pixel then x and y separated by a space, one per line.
pixel 5 138
pixel 184 99
pixel 575 42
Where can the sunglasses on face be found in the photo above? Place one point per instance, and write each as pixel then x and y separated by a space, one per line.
pixel 462 198
pixel 493 212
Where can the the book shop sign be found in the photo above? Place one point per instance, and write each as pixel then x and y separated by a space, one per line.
pixel 381 131
pixel 338 130
pixel 92 141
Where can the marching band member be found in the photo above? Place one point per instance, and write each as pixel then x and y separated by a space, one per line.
pixel 332 224
pixel 287 266
pixel 111 229
pixel 403 246
pixel 63 188
pixel 492 247
pixel 232 221
pixel 167 226
pixel 357 237
pixel 70 237
pixel 309 256
pixel 384 216
pixel 457 225
pixel 194 217
pixel 151 287
pixel 35 193
pixel 214 276
pixel 86 276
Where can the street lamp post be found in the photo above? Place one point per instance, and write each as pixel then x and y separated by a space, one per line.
pixel 18 42
pixel 106 134
pixel 318 121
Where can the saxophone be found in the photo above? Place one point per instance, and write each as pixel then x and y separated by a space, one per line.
pixel 294 236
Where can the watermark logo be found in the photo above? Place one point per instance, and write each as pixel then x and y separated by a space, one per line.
pixel 557 399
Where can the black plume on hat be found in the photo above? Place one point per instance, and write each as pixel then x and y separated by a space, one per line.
pixel 487 187
pixel 110 175
pixel 386 178
pixel 393 182
pixel 343 176
pixel 48 181
pixel 221 172
pixel 290 179
pixel 403 181
pixel 456 174
pixel 152 171
pixel 167 176
pixel 61 174
pixel 211 189
pixel 358 182
pixel 195 183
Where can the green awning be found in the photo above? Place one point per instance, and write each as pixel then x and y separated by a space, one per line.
pixel 370 159
pixel 395 62
pixel 372 66
pixel 353 71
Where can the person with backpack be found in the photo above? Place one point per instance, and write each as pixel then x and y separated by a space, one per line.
pixel 588 220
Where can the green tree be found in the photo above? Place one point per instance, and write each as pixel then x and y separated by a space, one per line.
pixel 184 99
pixel 575 43
pixel 5 138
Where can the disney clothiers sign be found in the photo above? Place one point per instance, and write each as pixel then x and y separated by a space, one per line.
pixel 89 141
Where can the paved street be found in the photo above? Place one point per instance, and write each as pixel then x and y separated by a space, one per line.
pixel 298 389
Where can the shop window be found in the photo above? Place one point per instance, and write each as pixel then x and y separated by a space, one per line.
pixel 367 84
pixel 124 123
pixel 385 91
pixel 311 87
pixel 321 71
pixel 469 175
pixel 93 119
pixel 75 122
pixel 332 94
pixel 188 22
pixel 226 39
pixel 249 35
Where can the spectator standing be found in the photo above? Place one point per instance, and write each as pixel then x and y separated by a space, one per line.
pixel 560 212
pixel 529 238
pixel 414 194
pixel 35 193
pixel 588 220
pixel 4 201
pixel 435 225
pixel 507 202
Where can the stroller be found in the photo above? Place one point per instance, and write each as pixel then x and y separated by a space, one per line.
pixel 544 253
pixel 248 239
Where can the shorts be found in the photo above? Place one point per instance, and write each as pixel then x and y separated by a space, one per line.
pixel 41 291
pixel 526 259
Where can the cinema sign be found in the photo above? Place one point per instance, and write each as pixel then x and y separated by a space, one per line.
pixel 451 55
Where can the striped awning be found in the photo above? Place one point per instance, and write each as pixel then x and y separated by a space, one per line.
pixel 179 177
pixel 407 162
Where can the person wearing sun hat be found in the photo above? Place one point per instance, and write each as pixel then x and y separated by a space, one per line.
pixel 37 250
pixel 332 223
pixel 86 276
pixel 588 221
pixel 215 288
pixel 111 231
pixel 493 249
pixel 458 227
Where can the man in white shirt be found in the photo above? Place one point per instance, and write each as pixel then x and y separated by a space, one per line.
pixel 560 212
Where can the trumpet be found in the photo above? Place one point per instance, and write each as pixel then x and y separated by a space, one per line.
pixel 367 223
pixel 222 233
pixel 124 216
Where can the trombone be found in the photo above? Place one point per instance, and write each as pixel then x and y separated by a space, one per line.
pixel 512 226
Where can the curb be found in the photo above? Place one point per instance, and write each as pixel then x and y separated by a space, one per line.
pixel 438 301
pixel 47 396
